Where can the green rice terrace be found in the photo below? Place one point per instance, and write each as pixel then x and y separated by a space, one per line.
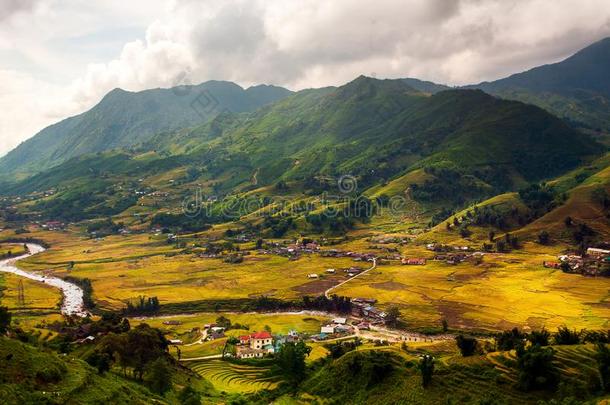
pixel 228 377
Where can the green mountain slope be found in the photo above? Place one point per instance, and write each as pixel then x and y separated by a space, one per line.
pixel 465 144
pixel 123 119
pixel 29 375
pixel 577 88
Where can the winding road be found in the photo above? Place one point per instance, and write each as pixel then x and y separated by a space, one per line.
pixel 72 303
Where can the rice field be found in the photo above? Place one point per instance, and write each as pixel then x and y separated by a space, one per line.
pixel 234 378
pixel 36 296
pixel 505 291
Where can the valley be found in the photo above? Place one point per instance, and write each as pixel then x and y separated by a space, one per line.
pixel 382 241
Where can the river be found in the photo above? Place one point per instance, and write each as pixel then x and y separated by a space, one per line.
pixel 72 294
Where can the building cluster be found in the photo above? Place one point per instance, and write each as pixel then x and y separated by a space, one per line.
pixel 595 262
pixel 363 308
pixel 413 261
pixel 292 250
pixel 53 226
pixel 336 328
pixel 261 344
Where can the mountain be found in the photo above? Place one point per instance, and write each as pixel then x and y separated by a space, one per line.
pixel 463 145
pixel 425 86
pixel 577 88
pixel 123 119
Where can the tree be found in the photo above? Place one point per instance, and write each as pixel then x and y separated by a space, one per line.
pixel 223 322
pixel 188 396
pixel 290 360
pixel 466 344
pixel 540 337
pixel 160 376
pixel 426 367
pixel 492 236
pixel 445 325
pixel 568 222
pixel 510 339
pixel 543 238
pixel 565 336
pixel 500 246
pixel 392 316
pixel 5 319
pixel 536 368
pixel 100 360
pixel 603 365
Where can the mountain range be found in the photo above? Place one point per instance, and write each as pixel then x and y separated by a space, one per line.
pixel 123 119
pixel 449 146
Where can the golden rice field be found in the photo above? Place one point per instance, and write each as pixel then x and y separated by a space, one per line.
pixel 506 290
pixel 37 296
pixel 122 268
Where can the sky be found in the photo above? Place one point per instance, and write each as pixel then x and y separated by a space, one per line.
pixel 59 57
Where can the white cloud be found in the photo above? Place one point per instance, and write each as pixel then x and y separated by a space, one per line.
pixel 302 44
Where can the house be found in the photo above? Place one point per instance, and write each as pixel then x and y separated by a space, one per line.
pixel 312 275
pixel 598 253
pixel 340 321
pixel 256 344
pixel 551 265
pixel 53 225
pixel 260 339
pixel 327 329
pixel 175 342
pixel 415 262
pixel 364 326
pixel 216 332
pixel 343 329
pixel 330 271
pixel 172 322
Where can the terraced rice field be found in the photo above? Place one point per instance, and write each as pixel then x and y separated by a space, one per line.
pixel 229 377
pixel 573 362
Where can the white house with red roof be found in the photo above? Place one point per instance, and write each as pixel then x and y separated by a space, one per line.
pixel 256 344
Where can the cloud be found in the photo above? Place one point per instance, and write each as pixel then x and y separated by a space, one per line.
pixel 300 44
pixel 10 7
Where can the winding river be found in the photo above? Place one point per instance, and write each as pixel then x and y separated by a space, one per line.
pixel 72 294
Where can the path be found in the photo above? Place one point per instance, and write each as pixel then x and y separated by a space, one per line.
pixel 210 357
pixel 327 292
pixel 72 303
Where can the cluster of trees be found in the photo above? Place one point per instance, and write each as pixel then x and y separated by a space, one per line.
pixel 278 225
pixel 339 348
pixel 182 222
pixel 335 223
pixel 290 363
pixel 138 352
pixel 226 323
pixel 336 303
pixel 5 320
pixel 512 339
pixel 539 198
pixel 447 185
pixel 142 306
pixel 104 227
